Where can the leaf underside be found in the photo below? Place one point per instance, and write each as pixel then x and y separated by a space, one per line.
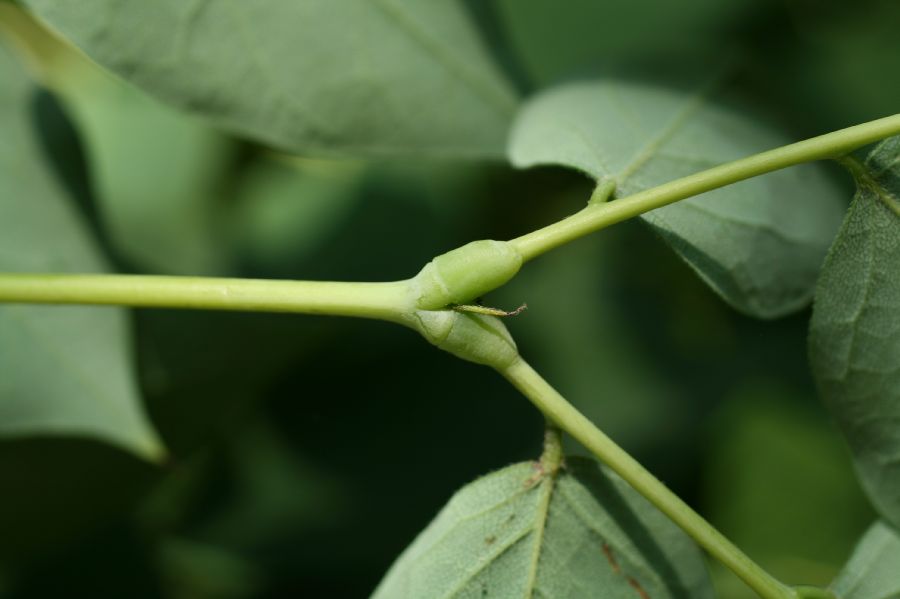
pixel 758 243
pixel 520 533
pixel 873 571
pixel 312 76
pixel 855 328
pixel 65 370
pixel 157 174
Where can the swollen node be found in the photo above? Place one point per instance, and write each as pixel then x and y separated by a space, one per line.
pixel 465 273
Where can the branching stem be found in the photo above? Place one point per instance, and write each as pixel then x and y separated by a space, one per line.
pixel 459 276
pixel 598 215
pixel 564 415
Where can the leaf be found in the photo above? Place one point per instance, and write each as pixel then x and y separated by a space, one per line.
pixel 312 76
pixel 873 571
pixel 277 495
pixel 201 571
pixel 284 212
pixel 554 43
pixel 758 243
pixel 158 174
pixel 855 330
pixel 66 370
pixel 519 532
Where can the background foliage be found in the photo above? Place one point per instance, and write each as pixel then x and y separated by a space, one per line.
pixel 306 453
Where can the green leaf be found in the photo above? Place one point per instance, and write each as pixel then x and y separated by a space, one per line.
pixel 521 532
pixel 285 211
pixel 277 493
pixel 553 43
pixel 855 328
pixel 66 371
pixel 158 176
pixel 202 571
pixel 873 571
pixel 312 76
pixel 758 243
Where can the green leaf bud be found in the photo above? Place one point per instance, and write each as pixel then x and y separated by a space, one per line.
pixel 474 337
pixel 465 273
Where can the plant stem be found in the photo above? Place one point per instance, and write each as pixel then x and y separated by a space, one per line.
pixel 561 412
pixel 599 215
pixel 552 456
pixel 384 301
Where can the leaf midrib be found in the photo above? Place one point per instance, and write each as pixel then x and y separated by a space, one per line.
pixel 860 309
pixel 690 106
pixel 547 484
pixel 864 179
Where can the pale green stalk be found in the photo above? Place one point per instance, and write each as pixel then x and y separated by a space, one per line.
pixel 599 215
pixel 564 415
pixel 384 301
pixel 472 270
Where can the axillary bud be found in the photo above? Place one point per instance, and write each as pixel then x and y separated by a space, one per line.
pixel 474 337
pixel 461 275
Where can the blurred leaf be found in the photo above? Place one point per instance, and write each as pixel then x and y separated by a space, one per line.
pixel 193 570
pixel 159 175
pixel 66 370
pixel 286 211
pixel 553 43
pixel 873 571
pixel 315 76
pixel 577 532
pixel 276 494
pixel 855 329
pixel 758 243
pixel 776 478
pixel 254 506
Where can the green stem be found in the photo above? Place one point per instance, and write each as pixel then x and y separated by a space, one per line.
pixel 384 301
pixel 561 412
pixel 599 215
pixel 552 456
